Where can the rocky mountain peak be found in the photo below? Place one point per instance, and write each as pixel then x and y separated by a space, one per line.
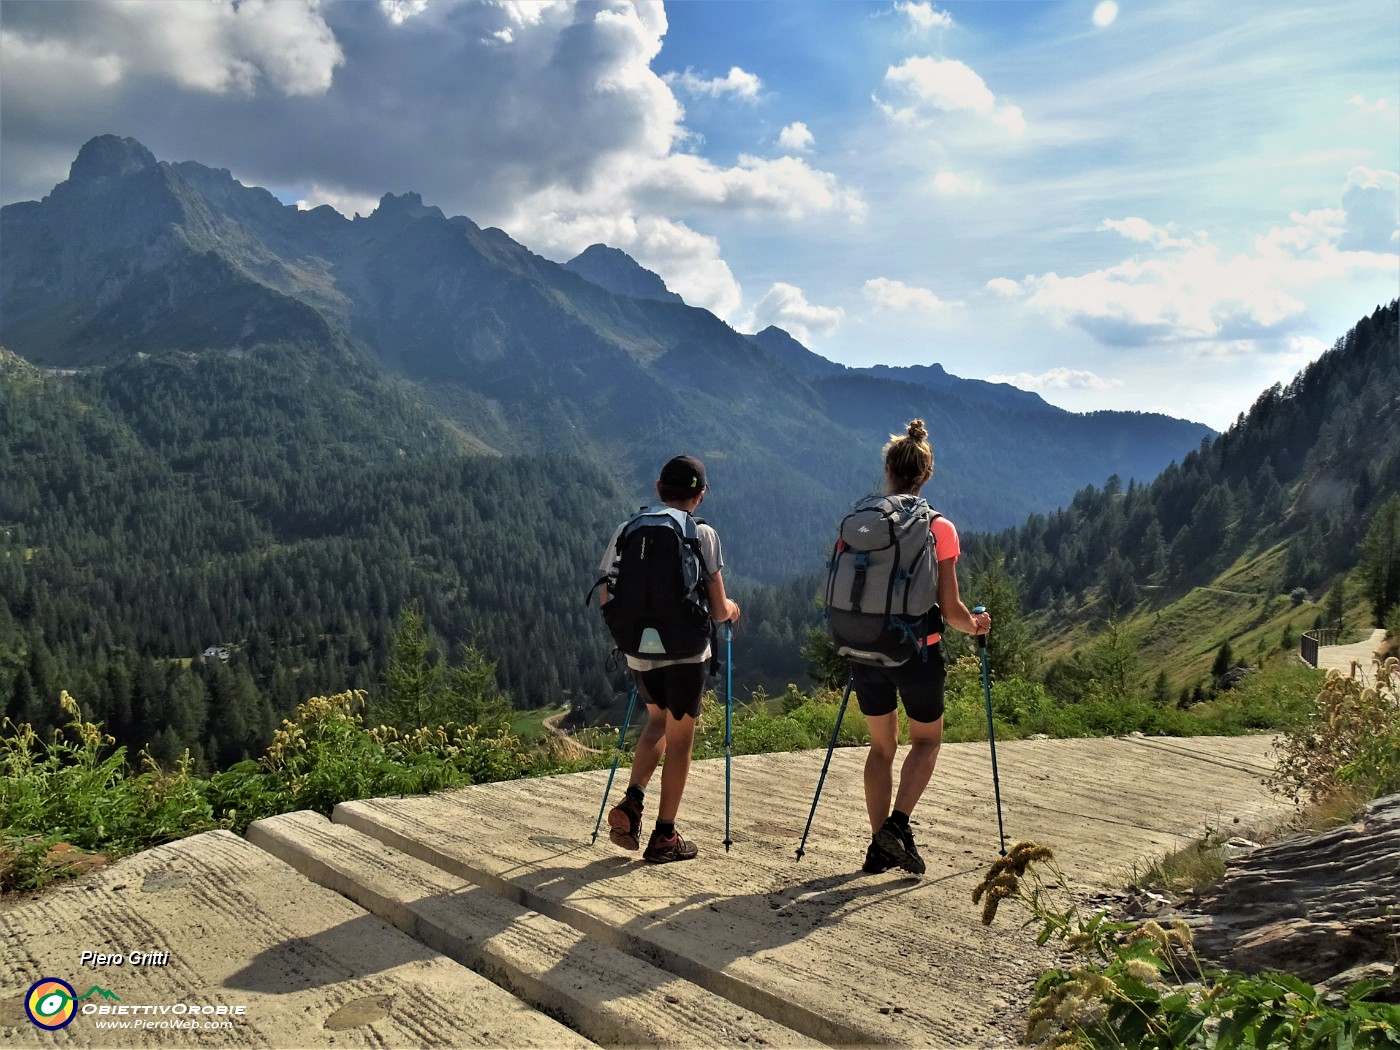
pixel 107 155
pixel 619 273
pixel 406 206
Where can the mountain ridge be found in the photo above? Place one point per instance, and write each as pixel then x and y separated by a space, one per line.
pixel 151 255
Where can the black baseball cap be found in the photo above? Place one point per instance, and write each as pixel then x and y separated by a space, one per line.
pixel 685 473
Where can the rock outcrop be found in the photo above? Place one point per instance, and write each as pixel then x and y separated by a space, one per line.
pixel 1318 906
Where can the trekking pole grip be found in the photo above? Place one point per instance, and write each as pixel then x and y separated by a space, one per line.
pixel 981 638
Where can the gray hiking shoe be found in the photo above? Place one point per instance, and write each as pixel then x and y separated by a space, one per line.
pixel 662 850
pixel 625 823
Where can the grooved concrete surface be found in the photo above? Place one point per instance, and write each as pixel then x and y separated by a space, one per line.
pixel 484 917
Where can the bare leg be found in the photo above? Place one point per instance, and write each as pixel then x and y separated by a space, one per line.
pixel 925 739
pixel 680 736
pixel 879 767
pixel 651 745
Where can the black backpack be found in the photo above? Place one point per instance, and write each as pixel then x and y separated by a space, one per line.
pixel 657 606
pixel 882 581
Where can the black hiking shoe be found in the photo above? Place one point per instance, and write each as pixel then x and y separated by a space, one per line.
pixel 877 859
pixel 662 850
pixel 899 844
pixel 625 823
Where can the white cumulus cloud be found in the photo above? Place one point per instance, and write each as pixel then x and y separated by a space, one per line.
pixel 400 11
pixel 796 138
pixel 923 16
pixel 946 85
pixel 896 295
pixel 786 186
pixel 736 82
pixel 1189 291
pixel 786 306
pixel 1138 229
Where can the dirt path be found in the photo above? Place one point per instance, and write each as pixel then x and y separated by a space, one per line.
pixel 565 744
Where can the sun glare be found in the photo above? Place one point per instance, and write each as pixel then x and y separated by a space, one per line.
pixel 1105 13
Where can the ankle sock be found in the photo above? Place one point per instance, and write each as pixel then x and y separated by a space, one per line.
pixel 666 828
pixel 636 792
pixel 901 820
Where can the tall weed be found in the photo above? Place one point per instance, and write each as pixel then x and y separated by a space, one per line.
pixel 1350 743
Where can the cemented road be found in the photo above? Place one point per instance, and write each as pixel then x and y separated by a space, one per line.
pixel 485 916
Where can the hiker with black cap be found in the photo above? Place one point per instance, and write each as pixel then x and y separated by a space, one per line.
pixel 661 591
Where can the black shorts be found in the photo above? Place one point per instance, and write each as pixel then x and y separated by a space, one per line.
pixel 919 683
pixel 675 687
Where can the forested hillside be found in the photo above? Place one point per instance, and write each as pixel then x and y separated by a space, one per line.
pixel 1291 489
pixel 159 509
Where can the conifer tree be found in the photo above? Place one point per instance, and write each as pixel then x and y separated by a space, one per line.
pixel 1224 660
pixel 1379 567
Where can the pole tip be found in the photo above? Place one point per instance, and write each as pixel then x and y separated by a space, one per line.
pixel 800 852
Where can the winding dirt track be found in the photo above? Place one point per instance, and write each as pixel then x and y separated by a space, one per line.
pixel 488 917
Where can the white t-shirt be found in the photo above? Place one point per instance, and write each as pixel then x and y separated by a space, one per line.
pixel 714 562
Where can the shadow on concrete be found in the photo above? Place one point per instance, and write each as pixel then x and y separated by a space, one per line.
pixel 320 960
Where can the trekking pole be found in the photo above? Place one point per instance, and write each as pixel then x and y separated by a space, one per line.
pixel 991 732
pixel 802 846
pixel 622 734
pixel 728 713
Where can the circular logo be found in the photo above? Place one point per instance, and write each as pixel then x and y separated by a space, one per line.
pixel 50 1003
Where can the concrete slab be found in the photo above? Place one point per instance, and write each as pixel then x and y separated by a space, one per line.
pixel 507 880
pixel 818 946
pixel 610 997
pixel 233 927
pixel 1342 657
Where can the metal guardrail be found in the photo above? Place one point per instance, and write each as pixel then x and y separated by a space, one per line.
pixel 1315 639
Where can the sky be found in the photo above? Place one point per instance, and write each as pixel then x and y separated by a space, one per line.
pixel 1155 206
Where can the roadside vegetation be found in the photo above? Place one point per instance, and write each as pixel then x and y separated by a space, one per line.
pixel 1131 986
pixel 75 792
pixel 1141 985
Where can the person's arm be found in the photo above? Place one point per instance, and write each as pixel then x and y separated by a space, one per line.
pixel 950 602
pixel 714 587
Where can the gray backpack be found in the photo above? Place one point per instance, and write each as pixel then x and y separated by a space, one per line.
pixel 882 581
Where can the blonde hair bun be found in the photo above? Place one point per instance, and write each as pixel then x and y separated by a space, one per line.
pixel 917 430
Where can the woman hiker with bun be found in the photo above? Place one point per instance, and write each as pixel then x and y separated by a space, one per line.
pixel 671 687
pixel 918 682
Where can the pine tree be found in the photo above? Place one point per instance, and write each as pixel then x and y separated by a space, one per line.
pixel 1224 660
pixel 413 682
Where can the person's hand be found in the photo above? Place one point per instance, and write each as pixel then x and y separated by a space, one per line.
pixel 981 621
pixel 733 611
